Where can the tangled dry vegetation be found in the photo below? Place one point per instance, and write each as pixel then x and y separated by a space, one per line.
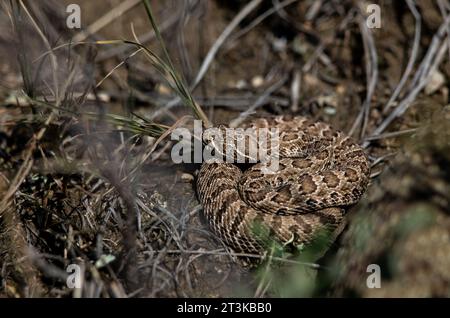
pixel 85 170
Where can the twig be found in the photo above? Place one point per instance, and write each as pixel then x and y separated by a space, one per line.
pixel 213 51
pixel 167 66
pixel 147 37
pixel 412 58
pixel 221 40
pixel 392 134
pixel 261 257
pixel 372 75
pixel 436 50
pixel 53 58
pixel 260 101
pixel 444 6
pixel 106 19
pixel 117 66
pixel 264 282
pixel 313 10
pixel 423 69
pixel 258 20
pixel 295 90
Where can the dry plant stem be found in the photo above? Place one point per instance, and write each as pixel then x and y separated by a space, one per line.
pixel 429 64
pixel 238 101
pixel 413 57
pixel 221 40
pixel 144 158
pixel 371 58
pixel 430 57
pixel 444 5
pixel 20 248
pixel 213 51
pixel 180 40
pixel 53 58
pixel 118 66
pixel 258 256
pixel 16 245
pixel 165 67
pixel 106 19
pixel 17 237
pixel 129 230
pixel 313 10
pixel 147 37
pixel 295 90
pixel 264 283
pixel 257 21
pixel 260 101
pixel 372 69
pixel 392 134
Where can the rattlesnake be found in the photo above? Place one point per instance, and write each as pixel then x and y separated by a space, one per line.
pixel 320 172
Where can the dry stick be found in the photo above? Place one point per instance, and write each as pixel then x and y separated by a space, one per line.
pixel 313 10
pixel 442 8
pixel 257 21
pixel 422 72
pixel 213 51
pixel 147 37
pixel 221 40
pixel 129 229
pixel 318 53
pixel 14 239
pixel 261 257
pixel 264 282
pixel 371 58
pixel 18 236
pixel 392 134
pixel 178 123
pixel 238 101
pixel 19 177
pixel 404 105
pixel 260 101
pixel 413 57
pixel 437 50
pixel 106 19
pixel 373 67
pixel 50 49
pixel 185 16
pixel 28 161
pixel 378 160
pixel 117 66
pixel 295 90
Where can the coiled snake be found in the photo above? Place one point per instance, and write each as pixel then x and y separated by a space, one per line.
pixel 321 171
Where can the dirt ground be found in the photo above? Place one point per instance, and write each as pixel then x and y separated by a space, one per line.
pixel 86 175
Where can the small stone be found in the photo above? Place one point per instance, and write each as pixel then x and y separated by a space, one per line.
pixel 163 89
pixel 327 101
pixel 340 89
pixel 330 110
pixel 104 260
pixel 435 83
pixel 241 84
pixel 103 97
pixel 187 177
pixel 279 44
pixel 310 80
pixel 257 81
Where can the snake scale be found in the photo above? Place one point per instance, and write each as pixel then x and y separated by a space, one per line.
pixel 321 171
